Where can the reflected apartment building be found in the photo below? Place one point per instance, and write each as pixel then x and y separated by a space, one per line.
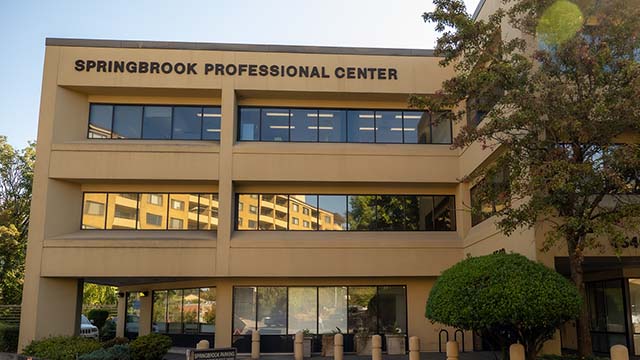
pixel 229 188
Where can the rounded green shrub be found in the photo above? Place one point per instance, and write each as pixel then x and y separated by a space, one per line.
pixel 9 337
pixel 504 294
pixel 61 347
pixel 108 331
pixel 98 316
pixel 150 347
pixel 116 352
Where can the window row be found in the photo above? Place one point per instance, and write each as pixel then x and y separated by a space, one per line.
pixel 154 122
pixel 184 311
pixel 345 212
pixel 320 310
pixel 332 125
pixel 150 211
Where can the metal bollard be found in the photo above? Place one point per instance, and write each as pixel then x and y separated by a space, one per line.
pixel 452 350
pixel 202 344
pixel 298 347
pixel 619 352
pixel 338 347
pixel 516 352
pixel 376 347
pixel 414 348
pixel 255 345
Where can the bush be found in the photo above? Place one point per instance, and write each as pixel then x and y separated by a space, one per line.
pixel 150 347
pixel 8 337
pixel 116 352
pixel 108 331
pixel 115 341
pixel 504 295
pixel 98 316
pixel 61 347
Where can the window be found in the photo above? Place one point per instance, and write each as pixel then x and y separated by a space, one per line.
pixel 155 199
pixel 240 206
pixel 351 212
pixel 253 209
pixel 176 223
pixel 155 122
pixel 100 118
pixel 334 125
pixel 127 122
pixel 177 204
pixel 135 211
pixel 489 196
pixel 302 309
pixel 184 311
pixel 153 219
pixel 275 125
pixel 272 310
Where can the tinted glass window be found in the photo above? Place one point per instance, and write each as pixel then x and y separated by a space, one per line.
pixel 334 209
pixel 244 310
pixel 440 130
pixel 272 310
pixel 100 117
pixel 208 212
pixel 332 126
pixel 304 125
pixel 93 211
pixel 361 126
pixel 122 211
pixel 362 212
pixel 174 311
pixel 392 303
pixel 303 213
pixel 249 124
pixel 389 126
pixel 362 309
pixel 444 213
pixel 419 212
pixel 157 122
pixel 207 310
pixel 389 213
pixel 247 212
pixel 416 127
pixel 275 125
pixel 303 309
pixel 153 211
pixel 159 316
pixel 332 309
pixel 187 123
pixel 211 123
pixel 127 122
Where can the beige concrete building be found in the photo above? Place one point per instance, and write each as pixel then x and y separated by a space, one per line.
pixel 226 188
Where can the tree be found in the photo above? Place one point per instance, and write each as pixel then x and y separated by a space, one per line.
pixel 16 176
pixel 95 294
pixel 504 293
pixel 562 118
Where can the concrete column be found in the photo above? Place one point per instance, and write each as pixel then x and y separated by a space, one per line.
pixel 414 348
pixel 376 347
pixel 298 346
pixel 516 352
pixel 619 352
pixel 144 326
pixel 224 320
pixel 56 310
pixel 452 350
pixel 255 345
pixel 122 314
pixel 338 346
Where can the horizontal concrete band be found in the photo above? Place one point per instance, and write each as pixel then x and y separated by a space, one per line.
pixel 175 45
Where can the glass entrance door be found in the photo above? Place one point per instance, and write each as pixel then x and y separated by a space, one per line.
pixel 607 310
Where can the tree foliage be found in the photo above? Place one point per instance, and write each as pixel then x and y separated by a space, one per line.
pixel 504 293
pixel 16 176
pixel 95 294
pixel 560 109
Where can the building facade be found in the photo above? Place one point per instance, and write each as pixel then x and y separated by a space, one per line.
pixel 227 188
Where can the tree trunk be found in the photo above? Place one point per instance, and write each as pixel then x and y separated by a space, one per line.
pixel 576 259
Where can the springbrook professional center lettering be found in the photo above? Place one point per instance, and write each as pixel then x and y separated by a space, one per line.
pixel 229 188
pixel 303 71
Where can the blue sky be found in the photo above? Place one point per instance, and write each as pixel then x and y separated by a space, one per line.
pixel 24 25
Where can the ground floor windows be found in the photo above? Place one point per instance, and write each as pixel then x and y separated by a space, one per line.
pixel 345 212
pixel 606 303
pixel 184 311
pixel 132 318
pixel 150 211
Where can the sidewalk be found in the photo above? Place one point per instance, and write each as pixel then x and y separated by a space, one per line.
pixel 178 354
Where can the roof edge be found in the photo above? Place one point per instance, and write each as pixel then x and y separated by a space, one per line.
pixel 476 13
pixel 176 45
